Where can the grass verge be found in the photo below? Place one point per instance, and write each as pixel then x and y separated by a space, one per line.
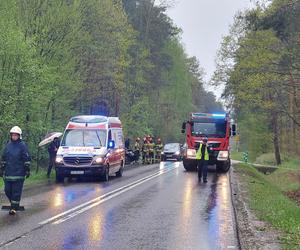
pixel 35 178
pixel 270 204
pixel 238 156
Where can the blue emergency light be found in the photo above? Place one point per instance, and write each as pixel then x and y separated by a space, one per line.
pixel 111 144
pixel 219 115
pixel 204 115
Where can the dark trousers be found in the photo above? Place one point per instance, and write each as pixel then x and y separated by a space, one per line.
pixel 151 157
pixel 137 155
pixel 51 164
pixel 13 191
pixel 202 169
pixel 145 156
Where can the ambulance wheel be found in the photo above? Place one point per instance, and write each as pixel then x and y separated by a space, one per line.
pixel 105 176
pixel 59 178
pixel 120 172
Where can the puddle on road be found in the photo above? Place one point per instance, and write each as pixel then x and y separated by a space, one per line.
pixel 221 228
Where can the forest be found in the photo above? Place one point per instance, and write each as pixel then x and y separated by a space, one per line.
pixel 60 58
pixel 259 65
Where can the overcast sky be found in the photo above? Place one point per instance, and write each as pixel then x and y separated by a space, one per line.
pixel 204 23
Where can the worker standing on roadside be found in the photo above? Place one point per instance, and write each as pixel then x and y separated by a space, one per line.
pixel 145 150
pixel 15 166
pixel 202 157
pixel 137 149
pixel 158 149
pixel 151 147
pixel 52 150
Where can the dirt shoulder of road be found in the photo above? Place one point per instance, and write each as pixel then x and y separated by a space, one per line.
pixel 252 232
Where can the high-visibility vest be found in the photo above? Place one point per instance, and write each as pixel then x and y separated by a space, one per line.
pixel 199 153
pixel 159 147
pixel 145 147
pixel 151 146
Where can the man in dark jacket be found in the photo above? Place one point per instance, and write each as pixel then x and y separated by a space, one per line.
pixel 15 166
pixel 52 150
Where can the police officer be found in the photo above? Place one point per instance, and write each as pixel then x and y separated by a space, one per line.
pixel 158 149
pixel 202 157
pixel 137 149
pixel 15 166
pixel 52 150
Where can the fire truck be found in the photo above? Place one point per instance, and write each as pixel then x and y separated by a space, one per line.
pixel 217 129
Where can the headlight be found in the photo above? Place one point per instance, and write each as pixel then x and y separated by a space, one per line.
pixel 162 153
pixel 177 152
pixel 59 159
pixel 223 155
pixel 98 160
pixel 191 153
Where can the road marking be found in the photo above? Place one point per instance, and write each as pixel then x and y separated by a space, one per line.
pixel 57 219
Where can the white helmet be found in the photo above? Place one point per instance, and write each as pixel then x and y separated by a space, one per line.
pixel 16 130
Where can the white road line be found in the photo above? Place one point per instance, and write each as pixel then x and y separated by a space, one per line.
pixel 57 219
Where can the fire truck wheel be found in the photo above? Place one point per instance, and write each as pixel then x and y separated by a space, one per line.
pixel 223 167
pixel 190 168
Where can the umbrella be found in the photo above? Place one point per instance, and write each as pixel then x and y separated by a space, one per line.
pixel 49 138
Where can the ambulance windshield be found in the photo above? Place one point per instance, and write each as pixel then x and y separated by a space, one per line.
pixel 84 138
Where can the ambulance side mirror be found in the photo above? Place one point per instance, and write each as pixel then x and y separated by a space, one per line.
pixel 111 144
pixel 183 127
pixel 233 130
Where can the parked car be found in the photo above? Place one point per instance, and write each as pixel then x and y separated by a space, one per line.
pixel 172 151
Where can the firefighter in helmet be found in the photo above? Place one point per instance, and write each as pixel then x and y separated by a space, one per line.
pixel 151 147
pixel 158 149
pixel 137 149
pixel 145 150
pixel 15 166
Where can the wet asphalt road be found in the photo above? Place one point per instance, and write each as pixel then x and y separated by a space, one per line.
pixel 150 207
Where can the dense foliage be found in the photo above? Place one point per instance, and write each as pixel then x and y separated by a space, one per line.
pixel 259 63
pixel 59 58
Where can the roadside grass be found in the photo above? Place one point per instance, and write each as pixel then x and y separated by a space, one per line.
pixel 266 159
pixel 271 205
pixel 35 178
pixel 291 162
pixel 238 156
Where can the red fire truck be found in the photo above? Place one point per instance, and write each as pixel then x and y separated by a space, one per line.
pixel 217 129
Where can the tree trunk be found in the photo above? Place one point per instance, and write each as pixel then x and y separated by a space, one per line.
pixel 276 138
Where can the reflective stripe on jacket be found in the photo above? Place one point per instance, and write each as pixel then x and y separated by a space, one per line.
pixel 17 160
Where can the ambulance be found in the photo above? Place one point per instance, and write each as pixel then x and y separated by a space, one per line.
pixel 91 146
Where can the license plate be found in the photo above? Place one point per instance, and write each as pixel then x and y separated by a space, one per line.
pixel 77 172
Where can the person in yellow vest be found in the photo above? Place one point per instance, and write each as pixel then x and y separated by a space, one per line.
pixel 202 157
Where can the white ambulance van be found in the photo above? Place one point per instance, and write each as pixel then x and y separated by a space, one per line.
pixel 91 146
